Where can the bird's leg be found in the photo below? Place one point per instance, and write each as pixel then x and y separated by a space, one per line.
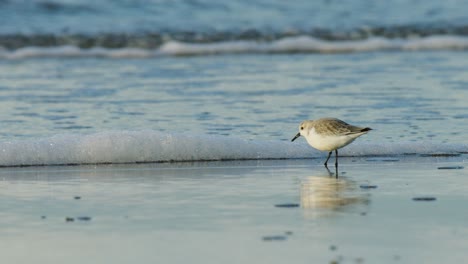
pixel 336 158
pixel 329 154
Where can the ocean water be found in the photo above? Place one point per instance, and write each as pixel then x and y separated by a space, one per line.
pixel 93 110
pixel 55 16
pixel 161 130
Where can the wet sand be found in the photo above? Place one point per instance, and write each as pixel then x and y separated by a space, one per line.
pixel 379 210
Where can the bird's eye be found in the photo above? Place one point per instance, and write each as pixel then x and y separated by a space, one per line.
pixel 302 128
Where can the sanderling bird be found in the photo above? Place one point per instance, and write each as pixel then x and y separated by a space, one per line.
pixel 329 134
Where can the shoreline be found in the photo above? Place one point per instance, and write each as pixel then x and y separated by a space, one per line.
pixel 270 210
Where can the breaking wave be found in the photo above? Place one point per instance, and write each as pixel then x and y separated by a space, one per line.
pixel 114 147
pixel 299 44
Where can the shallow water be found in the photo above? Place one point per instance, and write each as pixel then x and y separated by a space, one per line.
pixel 403 96
pixel 415 100
pixel 225 212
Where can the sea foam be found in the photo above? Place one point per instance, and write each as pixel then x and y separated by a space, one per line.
pixel 113 147
pixel 304 44
pixel 309 44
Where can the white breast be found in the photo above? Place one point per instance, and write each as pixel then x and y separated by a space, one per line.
pixel 328 142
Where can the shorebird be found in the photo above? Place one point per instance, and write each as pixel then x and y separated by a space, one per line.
pixel 329 134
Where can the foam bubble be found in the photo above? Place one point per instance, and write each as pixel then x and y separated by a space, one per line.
pixel 153 146
pixel 139 146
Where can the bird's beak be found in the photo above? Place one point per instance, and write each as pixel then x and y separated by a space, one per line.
pixel 298 135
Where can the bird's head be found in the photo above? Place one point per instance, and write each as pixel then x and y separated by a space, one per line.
pixel 302 130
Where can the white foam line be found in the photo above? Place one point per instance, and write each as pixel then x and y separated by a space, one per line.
pixel 310 44
pixel 142 146
pixel 73 51
pixel 151 146
pixel 286 45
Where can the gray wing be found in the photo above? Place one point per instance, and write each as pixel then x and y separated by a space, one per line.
pixel 334 126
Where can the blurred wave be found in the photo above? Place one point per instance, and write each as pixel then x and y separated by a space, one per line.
pixel 114 147
pixel 300 44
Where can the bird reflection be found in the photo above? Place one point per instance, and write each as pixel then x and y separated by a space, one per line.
pixel 328 194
